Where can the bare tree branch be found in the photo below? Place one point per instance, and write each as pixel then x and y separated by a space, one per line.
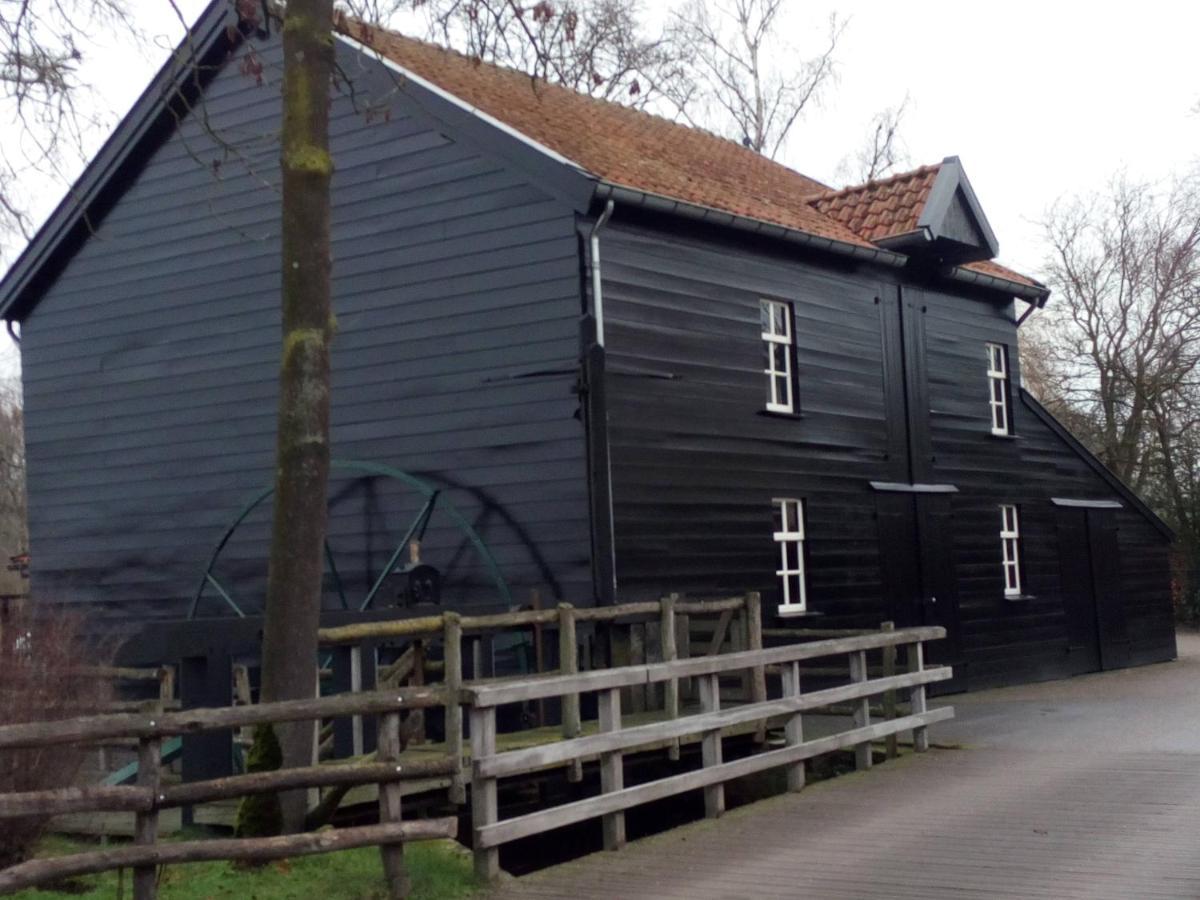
pixel 742 74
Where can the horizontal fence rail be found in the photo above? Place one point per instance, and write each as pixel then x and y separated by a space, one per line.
pixel 612 740
pixel 150 794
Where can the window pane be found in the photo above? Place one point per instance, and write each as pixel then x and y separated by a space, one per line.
pixel 779 314
pixel 764 310
pixel 778 357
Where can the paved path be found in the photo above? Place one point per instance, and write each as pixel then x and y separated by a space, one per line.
pixel 1086 788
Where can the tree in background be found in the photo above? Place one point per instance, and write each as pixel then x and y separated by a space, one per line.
pixel 882 152
pixel 1118 353
pixel 747 82
pixel 601 48
pixel 14 530
pixel 42 45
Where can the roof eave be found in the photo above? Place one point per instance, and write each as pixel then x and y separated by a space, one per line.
pixel 696 212
pixel 1035 294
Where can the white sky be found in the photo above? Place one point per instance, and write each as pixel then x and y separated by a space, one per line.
pixel 1038 99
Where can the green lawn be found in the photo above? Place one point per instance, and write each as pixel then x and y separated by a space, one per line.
pixel 440 870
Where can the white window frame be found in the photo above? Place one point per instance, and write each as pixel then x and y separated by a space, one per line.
pixel 1010 548
pixel 789 535
pixel 782 343
pixel 998 392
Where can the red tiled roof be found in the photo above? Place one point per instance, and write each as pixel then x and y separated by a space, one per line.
pixel 620 145
pixel 1004 273
pixel 880 209
pixel 634 149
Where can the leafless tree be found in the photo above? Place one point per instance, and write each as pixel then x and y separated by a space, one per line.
pixel 42 46
pixel 882 151
pixel 746 79
pixel 597 47
pixel 14 532
pixel 1124 334
pixel 1118 353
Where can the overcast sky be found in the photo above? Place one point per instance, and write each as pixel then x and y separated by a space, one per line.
pixel 1038 99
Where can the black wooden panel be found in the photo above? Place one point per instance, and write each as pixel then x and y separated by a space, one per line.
pixel 939 581
pixel 151 364
pixel 1079 601
pixel 1106 577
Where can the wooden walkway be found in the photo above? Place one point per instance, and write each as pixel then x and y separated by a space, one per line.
pixel 1085 789
pixel 959 824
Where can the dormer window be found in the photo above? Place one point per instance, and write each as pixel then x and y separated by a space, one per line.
pixel 780 346
pixel 998 388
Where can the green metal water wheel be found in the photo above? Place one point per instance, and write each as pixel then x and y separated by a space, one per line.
pixel 435 500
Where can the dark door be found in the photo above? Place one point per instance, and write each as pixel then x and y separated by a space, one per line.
pixel 916 540
pixel 1090 565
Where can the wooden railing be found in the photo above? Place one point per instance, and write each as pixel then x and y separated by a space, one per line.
pixel 737 618
pixel 612 740
pixel 151 794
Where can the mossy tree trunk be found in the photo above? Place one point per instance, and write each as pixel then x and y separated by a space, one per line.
pixel 289 656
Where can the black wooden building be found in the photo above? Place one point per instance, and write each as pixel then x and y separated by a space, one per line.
pixel 636 357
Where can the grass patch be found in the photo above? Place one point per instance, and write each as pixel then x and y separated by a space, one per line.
pixel 440 870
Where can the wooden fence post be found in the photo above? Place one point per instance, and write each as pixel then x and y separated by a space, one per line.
pixel 417 679
pixel 637 657
pixel 758 675
pixel 862 709
pixel 484 808
pixel 612 772
pixel 145 878
pixel 683 649
pixel 710 745
pixel 388 750
pixel 889 697
pixel 917 698
pixel 793 730
pixel 568 662
pixel 452 653
pixel 670 652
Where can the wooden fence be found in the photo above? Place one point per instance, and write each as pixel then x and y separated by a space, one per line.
pixel 738 621
pixel 151 794
pixel 611 741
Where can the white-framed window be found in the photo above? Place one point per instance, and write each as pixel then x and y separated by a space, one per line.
pixel 780 353
pixel 1010 543
pixel 789 536
pixel 997 355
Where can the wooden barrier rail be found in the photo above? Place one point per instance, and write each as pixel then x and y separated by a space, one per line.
pixel 150 795
pixel 612 740
pixel 670 613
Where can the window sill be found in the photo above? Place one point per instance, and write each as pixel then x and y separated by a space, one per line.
pixel 1004 437
pixel 1019 598
pixel 775 414
pixel 785 613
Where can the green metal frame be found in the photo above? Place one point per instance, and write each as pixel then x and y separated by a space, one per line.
pixel 433 497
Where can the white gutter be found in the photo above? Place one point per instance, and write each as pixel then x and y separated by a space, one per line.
pixel 594 259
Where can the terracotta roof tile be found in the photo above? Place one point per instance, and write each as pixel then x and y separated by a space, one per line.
pixel 620 145
pixel 1004 273
pixel 880 209
pixel 634 149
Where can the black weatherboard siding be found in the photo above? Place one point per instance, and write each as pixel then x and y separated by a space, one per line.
pixel 466 354
pixel 151 362
pixel 892 452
